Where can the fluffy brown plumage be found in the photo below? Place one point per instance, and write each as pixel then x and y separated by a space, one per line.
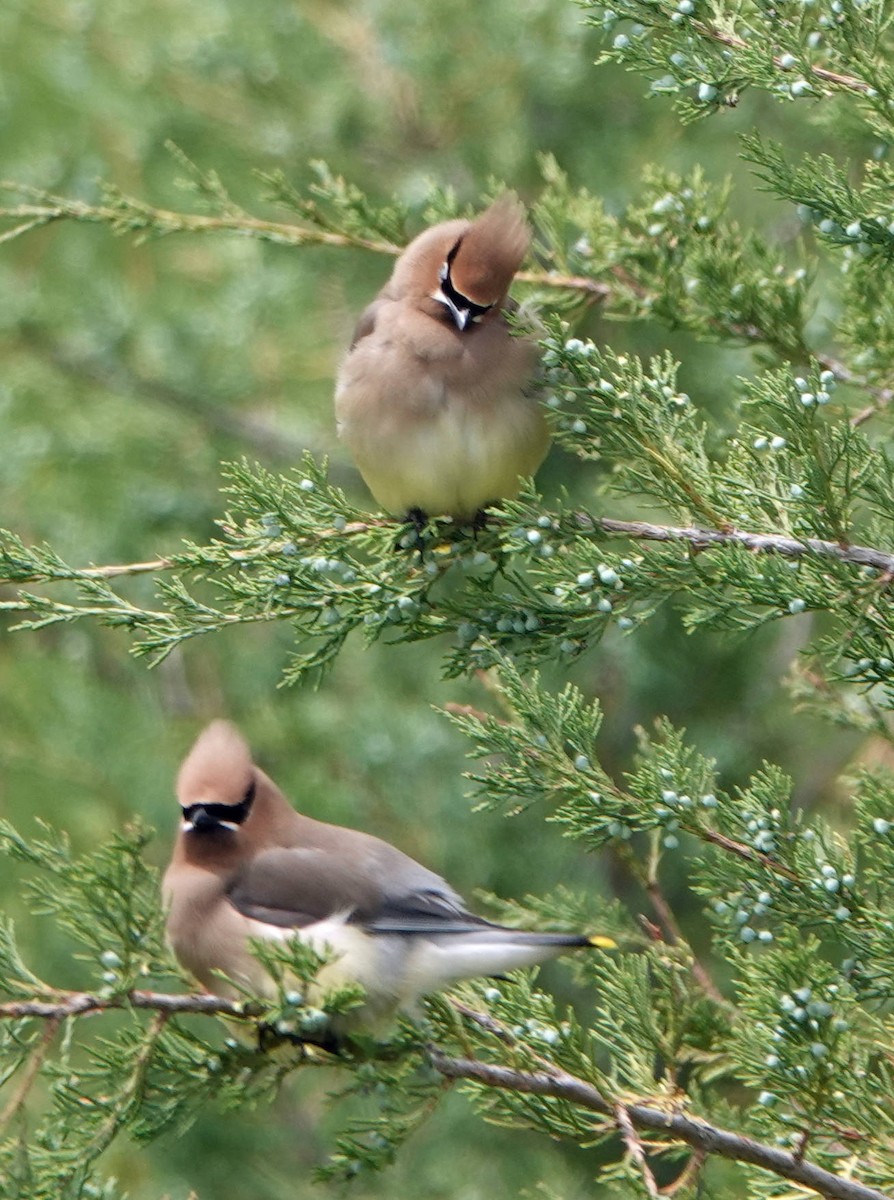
pixel 490 252
pixel 433 398
pixel 247 865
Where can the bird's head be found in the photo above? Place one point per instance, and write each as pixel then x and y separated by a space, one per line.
pixel 217 783
pixel 480 263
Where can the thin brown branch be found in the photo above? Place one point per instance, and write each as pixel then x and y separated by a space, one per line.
pixel 674 935
pixel 763 543
pixel 670 930
pixel 596 291
pixel 484 1020
pixel 709 1139
pixel 882 395
pixel 18 230
pixel 746 852
pixel 136 217
pixel 851 82
pixel 135 1085
pixel 745 332
pixel 635 1149
pixel 113 571
pixel 699 539
pixel 469 710
pixel 687 1176
pixel 742 331
pixel 885 396
pixel 29 1074
pixel 80 1004
pixel 551 1081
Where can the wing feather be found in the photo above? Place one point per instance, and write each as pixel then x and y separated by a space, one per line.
pixel 366 323
pixel 293 888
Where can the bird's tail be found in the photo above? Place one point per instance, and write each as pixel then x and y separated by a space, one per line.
pixel 524 937
pixel 443 959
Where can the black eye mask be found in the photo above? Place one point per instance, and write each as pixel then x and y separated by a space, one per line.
pixel 231 814
pixel 476 311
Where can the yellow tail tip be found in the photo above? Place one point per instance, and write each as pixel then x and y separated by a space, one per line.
pixel 604 943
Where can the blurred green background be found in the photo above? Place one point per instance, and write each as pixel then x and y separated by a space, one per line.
pixel 130 371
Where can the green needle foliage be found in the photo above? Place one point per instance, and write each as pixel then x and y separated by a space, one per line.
pixel 746 1050
pixel 792 1050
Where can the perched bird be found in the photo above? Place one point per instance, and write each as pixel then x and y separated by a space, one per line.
pixel 433 398
pixel 247 865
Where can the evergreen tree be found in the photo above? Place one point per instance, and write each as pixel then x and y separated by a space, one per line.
pixel 762 1038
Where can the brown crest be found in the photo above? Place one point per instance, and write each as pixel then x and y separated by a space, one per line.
pixel 491 251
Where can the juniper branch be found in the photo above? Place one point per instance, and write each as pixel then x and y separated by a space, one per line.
pixel 160 222
pixel 35 1062
pixel 835 78
pixel 636 1150
pixel 882 394
pixel 134 216
pixel 549 1081
pixel 763 543
pixel 80 1004
pixel 699 1134
pixel 614 281
pixel 114 571
pixel 147 219
pixel 698 538
pixel 670 926
pixel 134 1087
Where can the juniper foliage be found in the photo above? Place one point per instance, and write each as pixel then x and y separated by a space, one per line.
pixel 768 1023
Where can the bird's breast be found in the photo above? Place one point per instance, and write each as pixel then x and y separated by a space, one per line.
pixel 208 935
pixel 441 423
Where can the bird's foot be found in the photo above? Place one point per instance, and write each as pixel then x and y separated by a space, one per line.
pixel 479 521
pixel 412 538
pixel 269 1037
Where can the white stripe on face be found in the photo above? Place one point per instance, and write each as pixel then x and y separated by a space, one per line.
pixel 460 315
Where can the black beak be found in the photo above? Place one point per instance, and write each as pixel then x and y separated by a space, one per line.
pixel 201 818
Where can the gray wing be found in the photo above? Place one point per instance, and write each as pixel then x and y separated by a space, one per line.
pixel 366 322
pixel 292 888
pixel 425 911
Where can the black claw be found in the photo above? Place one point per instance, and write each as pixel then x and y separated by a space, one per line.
pixel 269 1037
pixel 418 520
pixel 329 1042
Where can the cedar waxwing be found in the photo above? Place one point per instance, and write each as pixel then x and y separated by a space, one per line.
pixel 431 398
pixel 246 865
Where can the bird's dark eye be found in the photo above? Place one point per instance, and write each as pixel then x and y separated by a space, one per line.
pixel 456 298
pixel 476 311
